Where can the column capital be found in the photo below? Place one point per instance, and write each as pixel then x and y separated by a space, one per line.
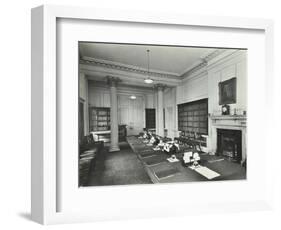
pixel 160 87
pixel 112 81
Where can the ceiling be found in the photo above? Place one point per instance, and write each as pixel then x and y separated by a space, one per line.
pixel 164 59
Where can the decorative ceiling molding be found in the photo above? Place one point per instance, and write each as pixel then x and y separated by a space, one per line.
pixel 100 73
pixel 213 54
pixel 122 87
pixel 204 62
pixel 126 68
pixel 128 72
pixel 195 69
pixel 223 57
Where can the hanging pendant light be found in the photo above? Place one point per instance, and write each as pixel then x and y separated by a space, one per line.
pixel 148 80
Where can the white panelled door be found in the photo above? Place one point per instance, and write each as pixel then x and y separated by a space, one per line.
pixel 170 121
pixel 136 116
pixel 131 113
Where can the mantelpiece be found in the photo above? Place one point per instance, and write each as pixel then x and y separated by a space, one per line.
pixel 229 120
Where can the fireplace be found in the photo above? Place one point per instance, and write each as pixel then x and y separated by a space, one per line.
pixel 229 144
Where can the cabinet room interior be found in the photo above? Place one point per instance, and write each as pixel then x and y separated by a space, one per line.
pixel 191 100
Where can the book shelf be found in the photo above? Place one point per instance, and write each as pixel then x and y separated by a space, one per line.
pixel 193 117
pixel 99 119
pixel 100 124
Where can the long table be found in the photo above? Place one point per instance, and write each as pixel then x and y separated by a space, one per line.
pixel 156 163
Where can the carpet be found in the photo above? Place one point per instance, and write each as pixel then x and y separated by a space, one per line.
pixel 118 168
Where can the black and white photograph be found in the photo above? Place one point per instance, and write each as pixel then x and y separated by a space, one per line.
pixel 161 114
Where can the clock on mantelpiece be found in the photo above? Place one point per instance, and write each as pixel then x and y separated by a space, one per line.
pixel 225 109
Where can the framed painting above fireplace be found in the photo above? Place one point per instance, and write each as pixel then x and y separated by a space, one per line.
pixel 227 92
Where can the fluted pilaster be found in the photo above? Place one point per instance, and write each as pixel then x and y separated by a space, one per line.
pixel 114 139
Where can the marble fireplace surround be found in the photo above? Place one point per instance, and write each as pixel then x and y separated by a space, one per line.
pixel 230 122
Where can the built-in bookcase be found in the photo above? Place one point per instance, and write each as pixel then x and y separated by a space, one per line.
pixel 193 117
pixel 99 119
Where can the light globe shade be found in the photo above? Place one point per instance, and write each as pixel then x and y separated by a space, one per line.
pixel 148 81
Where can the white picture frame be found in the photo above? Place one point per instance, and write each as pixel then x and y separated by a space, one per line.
pixel 45 162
